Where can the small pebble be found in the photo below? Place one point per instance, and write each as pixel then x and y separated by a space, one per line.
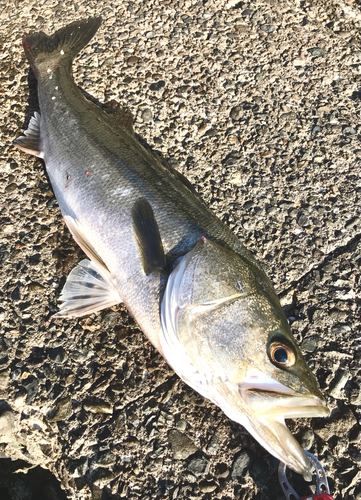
pixel 338 383
pixel 157 85
pixel 207 486
pixel 339 425
pixel 100 407
pixel 146 115
pixel 222 470
pixel 306 439
pixel 132 60
pixel 7 423
pixel 181 425
pixel 317 52
pixel 236 113
pixel 181 445
pixel 199 466
pixel 240 465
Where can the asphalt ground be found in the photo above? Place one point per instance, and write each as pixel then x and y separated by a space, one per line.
pixel 258 104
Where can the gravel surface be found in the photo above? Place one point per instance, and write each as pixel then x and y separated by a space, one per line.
pixel 258 104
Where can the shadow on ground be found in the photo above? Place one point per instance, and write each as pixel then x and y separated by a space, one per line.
pixel 34 484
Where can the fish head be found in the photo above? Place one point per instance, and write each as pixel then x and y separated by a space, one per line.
pixel 228 338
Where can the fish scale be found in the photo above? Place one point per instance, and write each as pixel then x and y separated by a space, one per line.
pixel 151 242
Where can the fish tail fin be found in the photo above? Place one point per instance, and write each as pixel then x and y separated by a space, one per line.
pixel 42 50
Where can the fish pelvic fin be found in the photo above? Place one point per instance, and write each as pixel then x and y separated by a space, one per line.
pixel 89 288
pixel 30 141
pixel 147 237
pixel 43 51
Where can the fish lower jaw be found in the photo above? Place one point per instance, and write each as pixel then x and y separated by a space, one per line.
pixel 273 434
pixel 278 440
pixel 289 450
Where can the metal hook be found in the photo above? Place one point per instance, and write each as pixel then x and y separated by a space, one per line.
pixel 321 479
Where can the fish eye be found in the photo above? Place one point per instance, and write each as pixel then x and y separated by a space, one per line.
pixel 282 355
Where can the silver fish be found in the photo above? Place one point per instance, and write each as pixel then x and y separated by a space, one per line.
pixel 152 243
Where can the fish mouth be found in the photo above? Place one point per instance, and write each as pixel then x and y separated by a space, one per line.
pixel 271 410
pixel 268 406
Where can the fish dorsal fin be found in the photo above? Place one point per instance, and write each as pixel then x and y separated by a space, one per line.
pixel 182 178
pixel 123 115
pixel 147 236
pixel 79 236
pixel 88 289
pixel 185 181
pixel 30 141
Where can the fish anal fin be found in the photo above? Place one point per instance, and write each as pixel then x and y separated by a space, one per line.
pixel 30 141
pixel 80 237
pixel 88 289
pixel 147 236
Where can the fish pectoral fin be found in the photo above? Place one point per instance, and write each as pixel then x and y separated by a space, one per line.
pixel 30 141
pixel 147 237
pixel 88 289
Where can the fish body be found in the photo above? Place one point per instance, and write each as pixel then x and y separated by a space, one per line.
pixel 195 291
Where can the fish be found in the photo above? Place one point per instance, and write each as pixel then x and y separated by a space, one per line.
pixel 152 243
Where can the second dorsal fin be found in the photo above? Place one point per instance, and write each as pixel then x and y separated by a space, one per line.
pixel 122 115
